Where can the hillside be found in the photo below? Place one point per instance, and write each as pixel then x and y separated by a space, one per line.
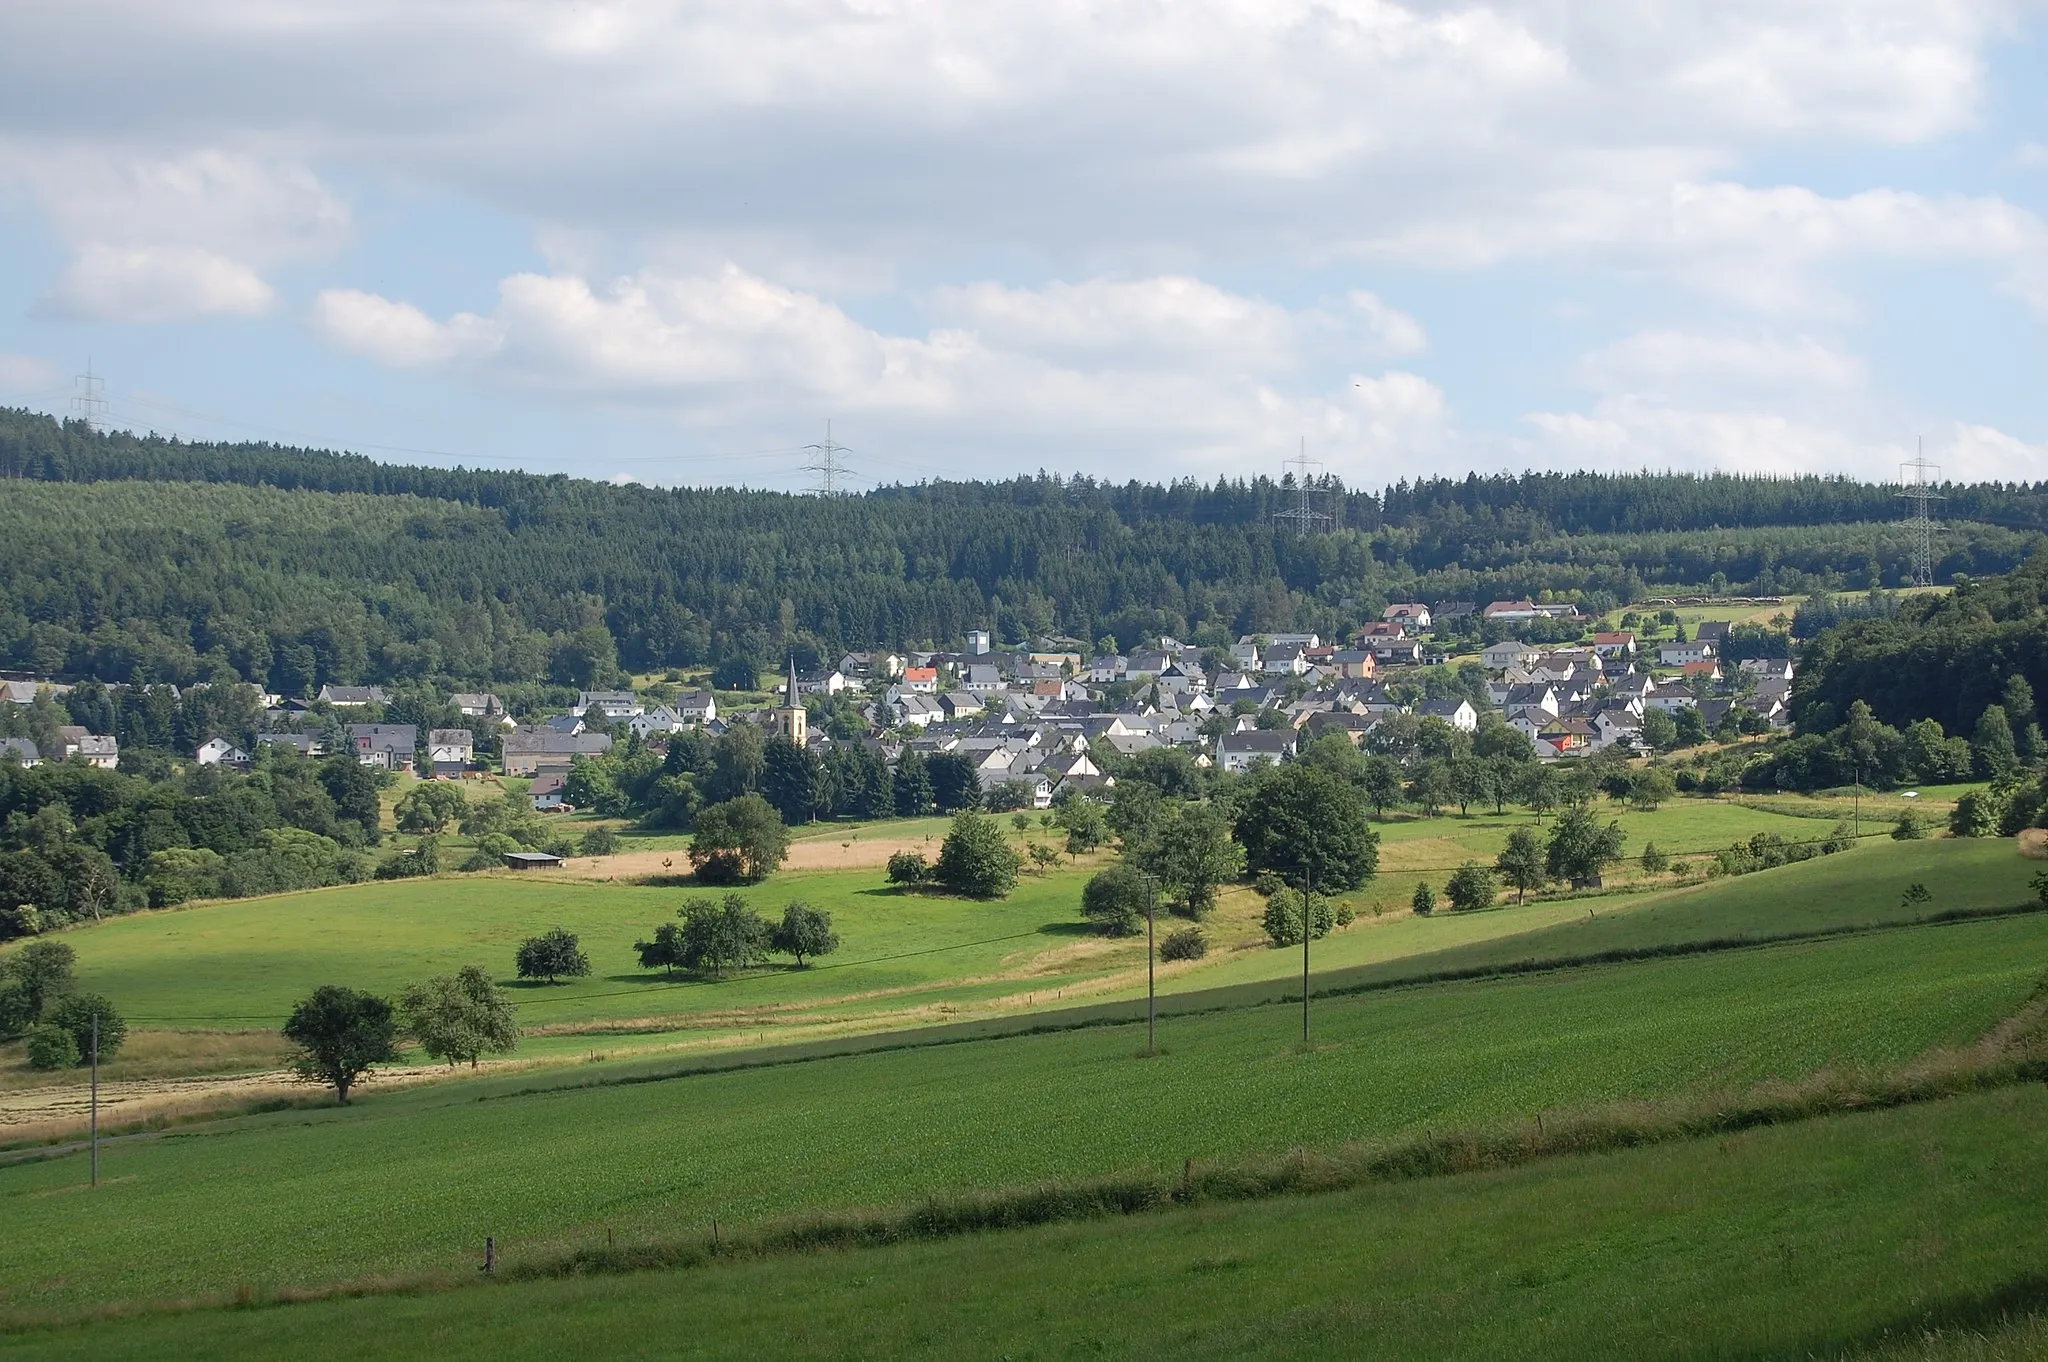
pixel 123 556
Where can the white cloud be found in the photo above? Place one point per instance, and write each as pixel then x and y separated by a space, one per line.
pixel 1159 365
pixel 156 284
pixel 161 238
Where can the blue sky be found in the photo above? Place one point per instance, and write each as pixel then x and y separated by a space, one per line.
pixel 668 241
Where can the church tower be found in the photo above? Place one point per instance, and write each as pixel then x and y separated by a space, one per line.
pixel 789 720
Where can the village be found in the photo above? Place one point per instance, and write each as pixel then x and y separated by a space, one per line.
pixel 1038 719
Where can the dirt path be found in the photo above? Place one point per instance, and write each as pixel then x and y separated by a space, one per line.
pixel 61 1109
pixel 851 852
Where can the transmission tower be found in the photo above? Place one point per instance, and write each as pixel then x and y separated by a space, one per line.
pixel 825 462
pixel 1918 477
pixel 87 401
pixel 1304 517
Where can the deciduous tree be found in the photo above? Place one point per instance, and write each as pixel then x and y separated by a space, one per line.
pixel 338 1035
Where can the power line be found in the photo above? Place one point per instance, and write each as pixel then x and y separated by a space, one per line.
pixel 87 402
pixel 825 463
pixel 1919 477
pixel 1304 517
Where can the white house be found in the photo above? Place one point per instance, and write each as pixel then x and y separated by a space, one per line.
pixel 1412 616
pixel 659 720
pixel 1678 654
pixel 1237 751
pixel 613 704
pixel 1501 656
pixel 696 707
pixel 220 752
pixel 1459 714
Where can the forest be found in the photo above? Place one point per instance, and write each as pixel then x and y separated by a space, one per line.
pixel 138 558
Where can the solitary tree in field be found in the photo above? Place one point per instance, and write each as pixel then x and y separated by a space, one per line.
pixel 1307 827
pixel 1580 848
pixel 742 839
pixel 804 932
pixel 1470 886
pixel 1521 863
pixel 974 860
pixel 1115 899
pixel 722 934
pixel 459 1017
pixel 339 1034
pixel 552 955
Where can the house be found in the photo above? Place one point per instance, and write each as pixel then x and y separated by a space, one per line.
pixel 388 747
pixel 1412 616
pixel 353 697
pixel 477 705
pixel 1712 631
pixel 1614 644
pixel 547 794
pixel 1670 698
pixel 696 707
pixel 820 683
pixel 1357 664
pixel 1567 735
pixel 1762 669
pixel 1510 612
pixel 1382 629
pixel 1183 679
pixel 530 751
pixel 450 751
pixel 1678 654
pixel 98 749
pixel 659 720
pixel 1294 640
pixel 1451 612
pixel 1459 714
pixel 1244 654
pixel 220 752
pixel 305 744
pixel 1706 667
pixel 613 704
pixel 1146 665
pixel 1104 668
pixel 1501 656
pixel 1237 751
pixel 1403 652
pixel 864 666
pixel 920 680
pixel 21 692
pixel 982 679
pixel 1352 726
pixel 23 751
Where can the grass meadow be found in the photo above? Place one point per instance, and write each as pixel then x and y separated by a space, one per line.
pixel 413 1180
pixel 1870 1236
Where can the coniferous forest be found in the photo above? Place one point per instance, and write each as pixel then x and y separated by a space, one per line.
pixel 127 557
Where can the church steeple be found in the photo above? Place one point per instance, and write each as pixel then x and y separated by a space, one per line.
pixel 790 719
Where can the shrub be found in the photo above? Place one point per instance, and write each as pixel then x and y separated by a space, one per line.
pixel 490 852
pixel 1471 886
pixel 600 842
pixel 1185 943
pixel 1283 916
pixel 51 1047
pixel 1908 828
pixel 552 955
pixel 75 1012
pixel 1916 893
pixel 1114 900
pixel 908 867
pixel 1423 901
pixel 1655 862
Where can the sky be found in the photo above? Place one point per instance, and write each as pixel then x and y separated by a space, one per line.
pixel 669 242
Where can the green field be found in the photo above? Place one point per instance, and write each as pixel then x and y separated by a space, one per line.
pixel 414 1180
pixel 1838 1238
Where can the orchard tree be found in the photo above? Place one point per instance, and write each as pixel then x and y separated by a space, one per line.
pixel 78 1012
pixel 739 841
pixel 1192 856
pixel 1115 900
pixel 1380 782
pixel 1580 848
pixel 459 1017
pixel 552 955
pixel 1520 863
pixel 1307 827
pixel 1086 826
pixel 804 932
pixel 430 806
pixel 974 860
pixel 665 951
pixel 722 934
pixel 338 1034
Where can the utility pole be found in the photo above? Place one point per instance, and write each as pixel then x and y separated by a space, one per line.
pixel 1151 984
pixel 87 401
pixel 825 463
pixel 1917 478
pixel 1303 516
pixel 95 1099
pixel 1308 918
